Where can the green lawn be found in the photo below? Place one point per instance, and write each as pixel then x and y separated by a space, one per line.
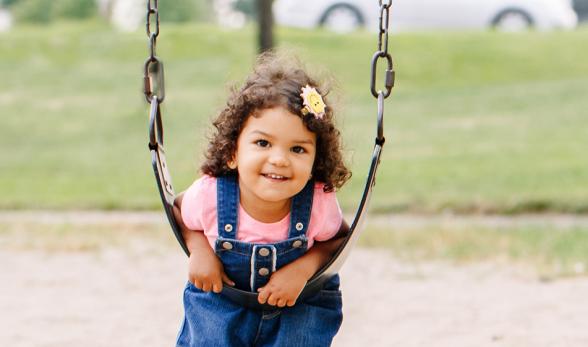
pixel 549 251
pixel 478 121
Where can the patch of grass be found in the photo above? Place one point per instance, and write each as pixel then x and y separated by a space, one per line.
pixel 478 122
pixel 550 251
pixel 67 237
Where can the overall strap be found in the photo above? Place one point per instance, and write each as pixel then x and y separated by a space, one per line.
pixel 227 204
pixel 300 211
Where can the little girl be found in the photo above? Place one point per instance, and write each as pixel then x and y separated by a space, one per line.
pixel 264 216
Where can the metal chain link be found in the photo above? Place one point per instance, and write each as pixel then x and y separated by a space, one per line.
pixel 153 78
pixel 384 21
pixel 152 10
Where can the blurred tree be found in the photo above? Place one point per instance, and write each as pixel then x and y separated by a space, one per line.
pixel 184 10
pixel 247 7
pixel 7 3
pixel 75 9
pixel 44 11
pixel 266 25
pixel 33 11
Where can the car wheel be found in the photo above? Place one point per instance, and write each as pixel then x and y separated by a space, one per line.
pixel 512 20
pixel 342 18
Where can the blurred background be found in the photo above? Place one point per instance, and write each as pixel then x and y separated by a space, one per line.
pixel 481 121
pixel 486 129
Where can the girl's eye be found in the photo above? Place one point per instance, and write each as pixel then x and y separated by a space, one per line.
pixel 298 150
pixel 262 143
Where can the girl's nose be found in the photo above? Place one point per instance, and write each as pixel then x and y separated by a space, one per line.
pixel 278 158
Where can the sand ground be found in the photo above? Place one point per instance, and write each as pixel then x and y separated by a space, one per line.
pixel 131 296
pixel 117 298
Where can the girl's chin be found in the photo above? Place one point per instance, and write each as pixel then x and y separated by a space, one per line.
pixel 274 198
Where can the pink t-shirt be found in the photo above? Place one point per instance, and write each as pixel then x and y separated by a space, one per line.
pixel 199 213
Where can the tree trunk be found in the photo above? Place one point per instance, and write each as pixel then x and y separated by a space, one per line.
pixel 266 25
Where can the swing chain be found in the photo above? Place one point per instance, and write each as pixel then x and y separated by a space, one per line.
pixel 153 81
pixel 383 54
pixel 152 10
pixel 384 21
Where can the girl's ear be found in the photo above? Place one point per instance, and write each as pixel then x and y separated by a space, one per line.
pixel 232 164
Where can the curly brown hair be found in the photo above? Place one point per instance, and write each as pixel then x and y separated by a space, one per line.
pixel 276 81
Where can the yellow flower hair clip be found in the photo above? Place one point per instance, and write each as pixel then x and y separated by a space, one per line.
pixel 312 102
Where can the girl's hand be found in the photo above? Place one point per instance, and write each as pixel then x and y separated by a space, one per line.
pixel 284 286
pixel 206 271
pixel 287 283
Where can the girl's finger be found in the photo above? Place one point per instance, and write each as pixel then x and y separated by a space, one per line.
pixel 217 286
pixel 262 297
pixel 291 303
pixel 281 303
pixel 227 280
pixel 206 287
pixel 197 284
pixel 272 300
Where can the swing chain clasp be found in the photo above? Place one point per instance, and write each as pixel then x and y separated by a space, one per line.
pixel 382 52
pixel 153 80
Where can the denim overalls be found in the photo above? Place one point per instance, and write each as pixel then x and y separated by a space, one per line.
pixel 213 320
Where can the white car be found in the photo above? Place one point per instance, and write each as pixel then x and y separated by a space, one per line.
pixel 507 15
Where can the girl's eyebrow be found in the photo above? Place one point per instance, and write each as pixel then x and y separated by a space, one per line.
pixel 259 132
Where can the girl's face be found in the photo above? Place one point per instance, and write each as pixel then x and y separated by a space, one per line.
pixel 274 157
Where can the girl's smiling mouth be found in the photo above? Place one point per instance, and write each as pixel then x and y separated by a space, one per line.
pixel 274 177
